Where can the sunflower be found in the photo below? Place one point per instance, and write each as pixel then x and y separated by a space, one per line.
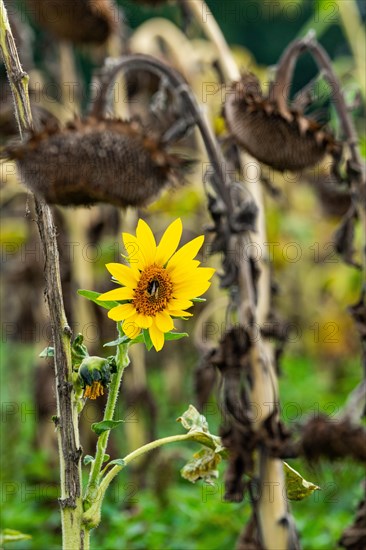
pixel 158 284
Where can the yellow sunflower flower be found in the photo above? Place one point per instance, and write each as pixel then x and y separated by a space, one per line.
pixel 159 283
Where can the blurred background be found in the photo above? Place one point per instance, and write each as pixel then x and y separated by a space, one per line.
pixel 150 506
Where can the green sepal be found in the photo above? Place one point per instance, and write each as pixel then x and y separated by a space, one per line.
pixel 198 300
pixel 105 426
pixel 95 369
pixel 49 351
pixel 93 297
pixel 88 459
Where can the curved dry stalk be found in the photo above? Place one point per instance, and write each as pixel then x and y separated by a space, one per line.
pixel 104 83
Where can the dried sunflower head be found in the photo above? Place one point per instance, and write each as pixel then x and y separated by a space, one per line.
pixel 81 21
pixel 291 142
pixel 97 160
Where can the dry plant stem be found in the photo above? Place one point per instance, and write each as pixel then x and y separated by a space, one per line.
pixel 271 507
pixel 280 90
pixel 74 535
pixel 206 20
pixel 147 63
pixel 352 23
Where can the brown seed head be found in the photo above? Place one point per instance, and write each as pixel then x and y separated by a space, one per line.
pixel 81 21
pixel 291 143
pixel 97 160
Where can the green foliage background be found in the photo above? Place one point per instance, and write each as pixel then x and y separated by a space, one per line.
pixel 162 510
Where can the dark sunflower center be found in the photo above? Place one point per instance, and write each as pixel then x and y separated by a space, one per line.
pixel 153 291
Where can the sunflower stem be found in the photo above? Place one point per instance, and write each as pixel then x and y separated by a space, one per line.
pixel 93 514
pixel 122 361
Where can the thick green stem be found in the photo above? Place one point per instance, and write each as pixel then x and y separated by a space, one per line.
pixel 92 516
pixel 122 361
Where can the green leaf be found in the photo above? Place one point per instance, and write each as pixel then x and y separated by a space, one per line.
pixel 88 459
pixel 93 297
pixel 297 488
pixel 175 335
pixel 10 535
pixel 203 465
pixel 122 340
pixel 49 351
pixel 105 425
pixel 147 339
pixel 78 351
pixel 117 461
pixel 106 458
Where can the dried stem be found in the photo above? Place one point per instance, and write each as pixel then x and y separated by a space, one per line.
pixel 74 535
pixel 271 510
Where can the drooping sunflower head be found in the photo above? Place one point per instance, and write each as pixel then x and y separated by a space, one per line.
pixel 159 283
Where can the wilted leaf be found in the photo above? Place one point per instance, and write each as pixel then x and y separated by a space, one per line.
pixel 191 419
pixel 297 487
pixel 198 429
pixel 203 466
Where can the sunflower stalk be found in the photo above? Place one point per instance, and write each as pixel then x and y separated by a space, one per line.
pixel 74 534
pixel 122 361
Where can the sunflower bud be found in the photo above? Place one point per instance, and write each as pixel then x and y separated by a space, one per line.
pixel 291 142
pixel 81 21
pixel 97 160
pixel 95 375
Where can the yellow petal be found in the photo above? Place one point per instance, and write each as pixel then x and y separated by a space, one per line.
pixel 183 270
pixel 122 293
pixel 136 258
pixel 146 241
pixel 187 252
pixel 163 321
pixel 143 321
pixel 157 337
pixel 179 304
pixel 191 290
pixel 119 313
pixel 131 329
pixel 125 275
pixel 179 313
pixel 169 242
